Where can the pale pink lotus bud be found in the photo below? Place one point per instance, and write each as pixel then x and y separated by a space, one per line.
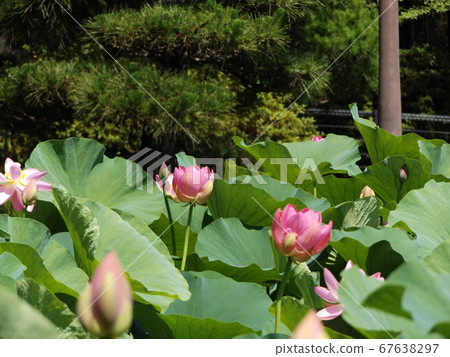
pixel 403 173
pixel 317 138
pixel 163 172
pixel 300 234
pixel 192 184
pixel 366 192
pixel 29 193
pixel 105 306
pixel 310 327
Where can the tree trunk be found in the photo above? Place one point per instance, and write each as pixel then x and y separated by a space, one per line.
pixel 389 101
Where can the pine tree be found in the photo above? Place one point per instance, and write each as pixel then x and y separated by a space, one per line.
pixel 219 68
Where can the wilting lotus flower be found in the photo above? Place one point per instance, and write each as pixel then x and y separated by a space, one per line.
pixel 366 192
pixel 105 304
pixel 317 138
pixel 300 234
pixel 14 181
pixel 334 308
pixel 192 184
pixel 310 327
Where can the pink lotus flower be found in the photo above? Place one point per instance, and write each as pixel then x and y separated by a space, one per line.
pixel 105 304
pixel 310 327
pixel 14 181
pixel 317 138
pixel 330 295
pixel 300 234
pixel 192 184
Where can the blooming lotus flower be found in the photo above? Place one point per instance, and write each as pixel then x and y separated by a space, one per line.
pixel 105 304
pixel 193 184
pixel 14 181
pixel 317 138
pixel 366 192
pixel 300 234
pixel 310 327
pixel 330 295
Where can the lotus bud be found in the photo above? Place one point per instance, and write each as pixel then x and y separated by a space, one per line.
pixel 317 138
pixel 105 305
pixel 366 192
pixel 29 193
pixel 163 172
pixel 310 327
pixel 403 173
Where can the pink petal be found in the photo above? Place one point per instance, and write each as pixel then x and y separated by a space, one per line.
pixel 3 178
pixel 206 175
pixel 377 276
pixel 331 281
pixel 288 212
pixel 301 256
pixel 43 186
pixel 8 164
pixel 16 200
pixel 348 265
pixel 158 182
pixel 119 289
pixel 30 171
pixel 205 192
pixel 35 176
pixel 30 208
pixel 323 237
pixel 15 172
pixel 6 191
pixel 326 294
pixel 310 327
pixel 278 232
pixel 330 312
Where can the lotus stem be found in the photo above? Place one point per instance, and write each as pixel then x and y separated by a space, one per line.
pixel 186 237
pixel 280 292
pixel 169 215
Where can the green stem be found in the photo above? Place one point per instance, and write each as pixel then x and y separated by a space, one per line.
pixel 186 237
pixel 280 292
pixel 169 215
pixel 399 191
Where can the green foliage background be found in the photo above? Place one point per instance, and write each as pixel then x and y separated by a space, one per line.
pixel 219 67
